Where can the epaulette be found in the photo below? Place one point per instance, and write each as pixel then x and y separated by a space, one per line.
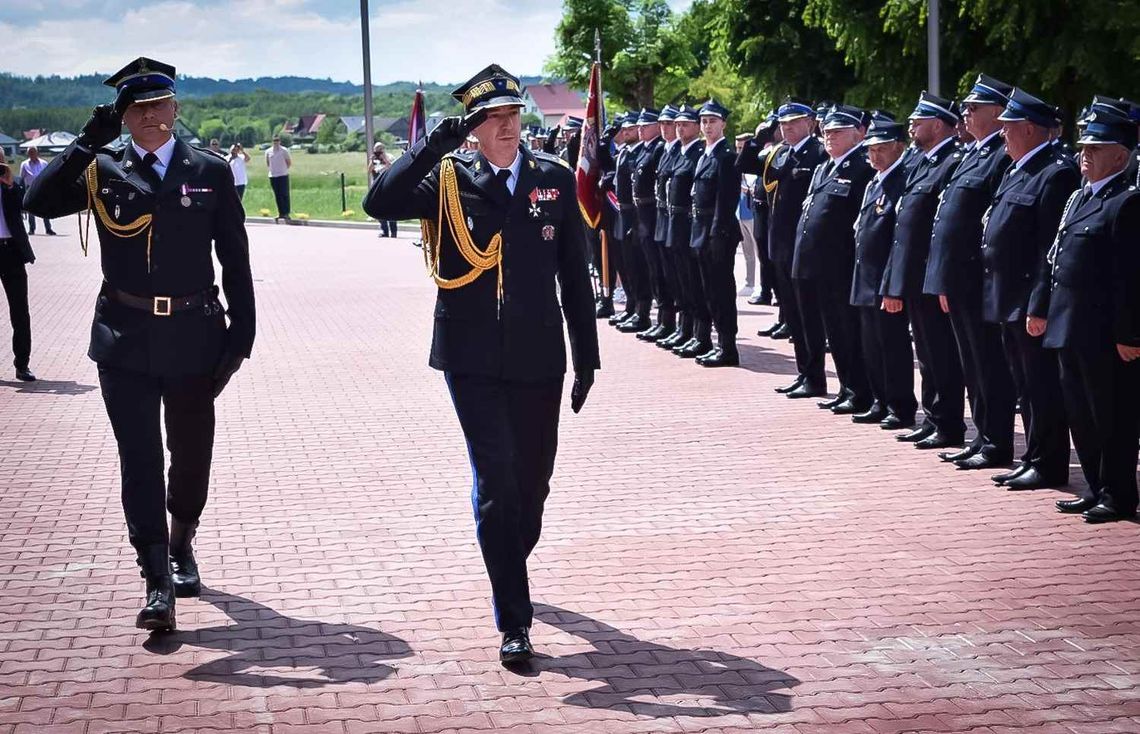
pixel 551 158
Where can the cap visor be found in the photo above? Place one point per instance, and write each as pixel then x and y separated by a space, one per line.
pixel 155 95
pixel 498 102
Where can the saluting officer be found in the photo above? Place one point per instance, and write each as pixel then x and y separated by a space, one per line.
pixel 645 199
pixel 787 172
pixel 716 232
pixel 1094 318
pixel 824 259
pixel 162 209
pixel 669 157
pixel 510 229
pixel 954 275
pixel 697 338
pixel 885 336
pixel 1018 229
pixel 573 132
pixel 932 126
pixel 636 276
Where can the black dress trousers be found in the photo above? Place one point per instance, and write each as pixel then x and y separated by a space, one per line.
pixel 511 429
pixel 993 398
pixel 1102 402
pixel 943 387
pixel 1036 376
pixel 14 277
pixel 889 360
pixel 135 404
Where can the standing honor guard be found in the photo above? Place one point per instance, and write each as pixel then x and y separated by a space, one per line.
pixel 1019 227
pixel 787 174
pixel 954 275
pixel 162 209
pixel 1094 318
pixel 669 158
pixel 716 232
pixel 933 124
pixel 694 338
pixel 502 233
pixel 645 200
pixel 635 278
pixel 824 258
pixel 886 347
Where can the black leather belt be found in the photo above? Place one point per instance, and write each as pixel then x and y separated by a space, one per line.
pixel 644 200
pixel 161 305
pixel 627 207
pixel 698 212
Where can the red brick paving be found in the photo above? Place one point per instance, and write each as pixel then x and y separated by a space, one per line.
pixel 715 559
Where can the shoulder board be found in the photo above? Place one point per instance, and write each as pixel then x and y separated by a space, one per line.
pixel 550 158
pixel 209 152
pixel 462 155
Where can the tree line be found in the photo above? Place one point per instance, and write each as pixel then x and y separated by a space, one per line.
pixel 750 54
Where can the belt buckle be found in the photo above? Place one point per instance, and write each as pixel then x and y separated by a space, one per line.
pixel 161 306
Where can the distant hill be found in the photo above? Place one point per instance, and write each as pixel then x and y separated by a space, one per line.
pixel 85 91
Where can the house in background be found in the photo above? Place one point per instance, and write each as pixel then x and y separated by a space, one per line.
pixel 553 102
pixel 397 126
pixel 8 144
pixel 49 143
pixel 305 129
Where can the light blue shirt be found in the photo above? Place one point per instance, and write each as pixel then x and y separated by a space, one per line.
pixel 164 153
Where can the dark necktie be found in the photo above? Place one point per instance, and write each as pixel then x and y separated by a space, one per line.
pixel 147 167
pixel 503 176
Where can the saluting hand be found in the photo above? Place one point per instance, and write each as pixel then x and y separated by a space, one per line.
pixel 583 381
pixel 103 127
pixel 450 133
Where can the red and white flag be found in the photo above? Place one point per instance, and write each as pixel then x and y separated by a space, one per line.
pixel 417 130
pixel 587 170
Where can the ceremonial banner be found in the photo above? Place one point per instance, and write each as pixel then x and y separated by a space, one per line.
pixel 587 171
pixel 418 127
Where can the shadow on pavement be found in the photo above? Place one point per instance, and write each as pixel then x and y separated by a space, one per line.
pixel 49 387
pixel 677 681
pixel 271 649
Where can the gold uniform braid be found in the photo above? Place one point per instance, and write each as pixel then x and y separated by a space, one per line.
pixel 124 231
pixel 479 260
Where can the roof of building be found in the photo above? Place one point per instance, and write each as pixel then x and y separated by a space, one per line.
pixel 555 98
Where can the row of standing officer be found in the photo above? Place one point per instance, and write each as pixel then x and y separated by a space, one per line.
pixel 962 245
pixel 674 188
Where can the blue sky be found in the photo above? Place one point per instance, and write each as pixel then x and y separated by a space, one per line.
pixel 434 40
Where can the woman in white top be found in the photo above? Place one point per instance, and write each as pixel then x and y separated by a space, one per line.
pixel 238 158
pixel 377 164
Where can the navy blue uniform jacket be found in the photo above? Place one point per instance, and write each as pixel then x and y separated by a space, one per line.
pixel 874 233
pixel 544 243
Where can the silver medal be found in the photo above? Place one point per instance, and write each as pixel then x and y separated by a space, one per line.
pixel 186 201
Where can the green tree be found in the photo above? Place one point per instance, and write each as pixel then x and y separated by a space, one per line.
pixel 641 48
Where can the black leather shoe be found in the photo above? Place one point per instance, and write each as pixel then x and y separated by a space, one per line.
pixel 516 647
pixel 937 440
pixel 25 375
pixel 952 456
pixel 788 388
pixel 1106 513
pixel 1005 476
pixel 621 316
pixel 695 348
pixel 770 330
pixel 708 355
pixel 634 325
pixel 1075 507
pixel 676 339
pixel 834 403
pixel 806 391
pixel 917 434
pixel 875 414
pixel 604 309
pixel 781 333
pixel 765 299
pixel 157 615
pixel 893 423
pixel 652 334
pixel 981 461
pixel 720 358
pixel 848 407
pixel 1030 479
pixel 183 566
pixel 684 345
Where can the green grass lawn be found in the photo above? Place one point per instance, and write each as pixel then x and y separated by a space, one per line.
pixel 314 184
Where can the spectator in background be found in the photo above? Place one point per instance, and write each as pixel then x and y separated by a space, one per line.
pixel 15 254
pixel 29 169
pixel 745 215
pixel 278 160
pixel 377 164
pixel 237 160
pixel 216 147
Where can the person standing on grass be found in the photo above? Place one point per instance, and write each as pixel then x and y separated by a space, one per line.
pixel 237 160
pixel 278 160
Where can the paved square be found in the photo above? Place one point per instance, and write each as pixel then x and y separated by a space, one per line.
pixel 715 557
